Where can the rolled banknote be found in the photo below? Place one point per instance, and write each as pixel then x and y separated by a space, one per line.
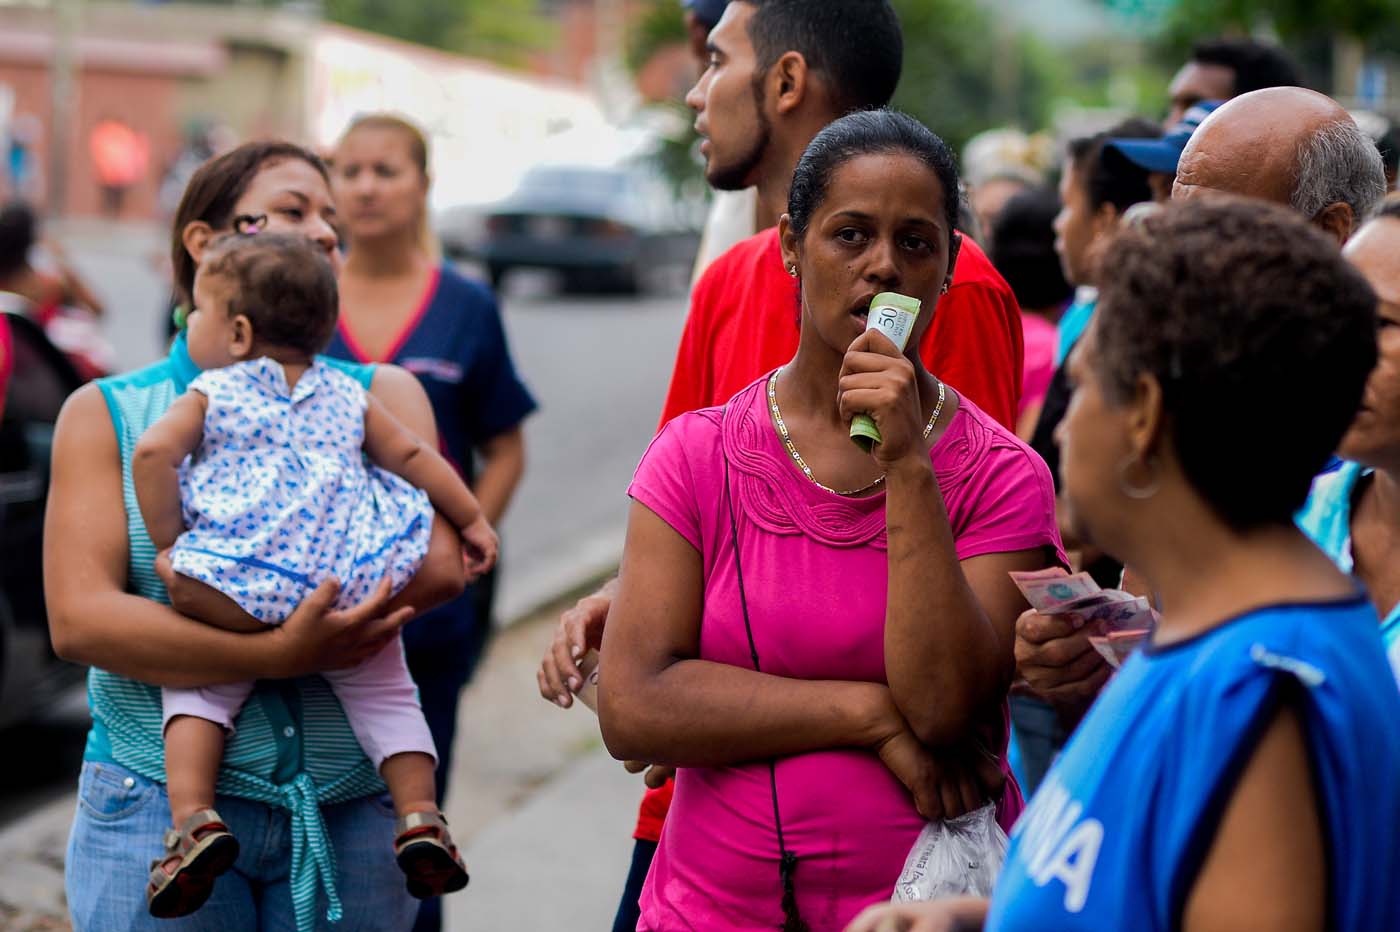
pixel 893 315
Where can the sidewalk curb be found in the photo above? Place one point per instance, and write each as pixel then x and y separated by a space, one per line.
pixel 592 562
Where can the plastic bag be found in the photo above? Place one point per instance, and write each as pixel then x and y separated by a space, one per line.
pixel 954 857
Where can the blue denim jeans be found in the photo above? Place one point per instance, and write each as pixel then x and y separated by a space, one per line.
pixel 117 833
pixel 1036 728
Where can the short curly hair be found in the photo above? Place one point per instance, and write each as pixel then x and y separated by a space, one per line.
pixel 283 283
pixel 1261 336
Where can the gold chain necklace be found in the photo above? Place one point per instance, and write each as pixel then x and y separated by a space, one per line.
pixel 802 464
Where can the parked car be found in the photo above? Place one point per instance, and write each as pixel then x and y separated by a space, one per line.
pixel 603 227
pixel 41 379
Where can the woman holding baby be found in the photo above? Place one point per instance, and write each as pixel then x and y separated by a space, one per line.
pixel 295 788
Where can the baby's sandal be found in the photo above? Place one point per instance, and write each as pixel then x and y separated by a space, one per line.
pixel 195 856
pixel 425 853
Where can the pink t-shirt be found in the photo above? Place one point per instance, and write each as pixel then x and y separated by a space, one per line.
pixel 1041 339
pixel 815 576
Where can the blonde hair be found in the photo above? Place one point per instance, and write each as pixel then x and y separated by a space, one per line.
pixel 417 153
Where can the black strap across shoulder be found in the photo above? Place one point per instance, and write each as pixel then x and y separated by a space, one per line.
pixel 787 860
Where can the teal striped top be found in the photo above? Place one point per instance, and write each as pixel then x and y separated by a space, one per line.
pixel 293 747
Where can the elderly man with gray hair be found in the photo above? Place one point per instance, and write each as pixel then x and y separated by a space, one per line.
pixel 1291 146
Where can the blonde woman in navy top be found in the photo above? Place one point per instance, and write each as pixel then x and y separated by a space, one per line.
pixel 402 304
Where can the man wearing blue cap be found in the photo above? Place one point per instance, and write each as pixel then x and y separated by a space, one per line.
pixel 1159 156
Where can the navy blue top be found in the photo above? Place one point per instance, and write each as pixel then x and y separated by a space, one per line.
pixel 1116 836
pixel 456 346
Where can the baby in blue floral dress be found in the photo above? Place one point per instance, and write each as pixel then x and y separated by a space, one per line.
pixel 273 473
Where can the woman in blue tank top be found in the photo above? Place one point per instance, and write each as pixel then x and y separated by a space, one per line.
pixel 294 785
pixel 1242 771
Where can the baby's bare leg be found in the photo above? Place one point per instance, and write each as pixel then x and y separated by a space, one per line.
pixel 410 777
pixel 195 599
pixel 194 749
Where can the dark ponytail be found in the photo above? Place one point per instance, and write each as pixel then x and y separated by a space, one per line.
pixel 867 133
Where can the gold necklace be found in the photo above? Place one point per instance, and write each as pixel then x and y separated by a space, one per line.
pixel 802 464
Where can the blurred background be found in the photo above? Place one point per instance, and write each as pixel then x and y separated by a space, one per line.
pixel 558 132
pixel 503 84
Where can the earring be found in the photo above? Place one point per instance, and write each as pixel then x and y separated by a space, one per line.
pixel 1140 493
pixel 944 289
pixel 792 270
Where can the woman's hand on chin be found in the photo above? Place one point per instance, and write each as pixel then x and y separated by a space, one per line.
pixel 877 380
pixel 316 638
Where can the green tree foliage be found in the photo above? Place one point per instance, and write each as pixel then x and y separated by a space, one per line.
pixel 662 23
pixel 501 30
pixel 965 72
pixel 1293 19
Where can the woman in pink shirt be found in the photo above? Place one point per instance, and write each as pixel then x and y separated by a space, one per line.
pixel 786 597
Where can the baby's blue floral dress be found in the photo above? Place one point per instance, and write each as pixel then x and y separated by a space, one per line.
pixel 279 495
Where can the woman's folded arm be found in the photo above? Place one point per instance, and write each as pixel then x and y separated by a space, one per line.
pixel 659 703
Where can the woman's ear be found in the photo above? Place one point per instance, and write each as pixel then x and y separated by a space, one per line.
pixel 196 237
pixel 954 249
pixel 1105 222
pixel 789 242
pixel 241 337
pixel 1145 417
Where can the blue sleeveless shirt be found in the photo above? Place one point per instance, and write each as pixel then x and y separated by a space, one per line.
pixel 293 748
pixel 1117 834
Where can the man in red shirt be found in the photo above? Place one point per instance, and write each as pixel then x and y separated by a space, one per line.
pixel 758 105
pixel 780 71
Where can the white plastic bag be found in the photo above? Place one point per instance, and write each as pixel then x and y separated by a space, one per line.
pixel 954 857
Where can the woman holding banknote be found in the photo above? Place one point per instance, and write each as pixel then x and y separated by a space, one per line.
pixel 1243 769
pixel 787 597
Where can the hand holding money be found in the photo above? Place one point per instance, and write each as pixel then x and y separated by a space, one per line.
pixel 1119 621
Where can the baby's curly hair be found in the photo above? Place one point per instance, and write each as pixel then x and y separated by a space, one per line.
pixel 1261 335
pixel 283 284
